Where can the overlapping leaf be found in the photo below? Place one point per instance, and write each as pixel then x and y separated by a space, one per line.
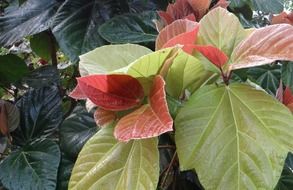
pixel 104 163
pixel 243 133
pixel 150 120
pixel 112 92
pixel 200 7
pixel 104 117
pixel 264 46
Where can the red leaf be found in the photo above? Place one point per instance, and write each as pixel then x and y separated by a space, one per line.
pixel 288 96
pixel 283 18
pixel 112 92
pixel 213 54
pixel 149 120
pixel 104 117
pixel 221 3
pixel 165 17
pixel 190 17
pixel 200 7
pixel 184 39
pixel 77 93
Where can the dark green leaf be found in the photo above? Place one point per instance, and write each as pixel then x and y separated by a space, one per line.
pixel 76 130
pixel 130 28
pixel 286 180
pixel 40 114
pixel 41 45
pixel 76 24
pixel 287 74
pixel 273 6
pixel 12 68
pixel 43 76
pixel 32 17
pixel 33 167
pixel 64 172
pixel 267 76
pixel 143 5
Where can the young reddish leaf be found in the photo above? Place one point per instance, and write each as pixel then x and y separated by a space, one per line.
pixel 184 39
pixel 150 120
pixel 4 130
pixel 200 7
pixel 166 17
pixel 178 27
pixel 213 54
pixel 112 92
pixel 77 93
pixel 283 18
pixel 221 3
pixel 263 46
pixel 104 117
pixel 288 97
pixel 280 92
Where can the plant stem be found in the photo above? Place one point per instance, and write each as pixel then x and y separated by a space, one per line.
pixel 167 146
pixel 168 170
pixel 53 49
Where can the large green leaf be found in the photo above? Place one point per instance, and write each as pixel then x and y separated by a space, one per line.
pixel 185 71
pixel 109 58
pixel 41 44
pixel 267 76
pixel 40 114
pixel 76 130
pixel 76 24
pixel 12 68
pixel 31 17
pixel 64 172
pixel 33 167
pixel 104 163
pixel 286 180
pixel 130 28
pixel 243 133
pixel 287 74
pixel 221 29
pixel 273 6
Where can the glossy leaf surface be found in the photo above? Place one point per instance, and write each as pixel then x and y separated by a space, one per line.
pixel 104 163
pixel 275 6
pixel 112 92
pixel 109 58
pixel 130 28
pixel 149 120
pixel 263 46
pixel 244 133
pixel 34 166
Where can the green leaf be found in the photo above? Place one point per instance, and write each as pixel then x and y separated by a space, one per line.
pixel 273 6
pixel 109 58
pixel 267 76
pixel 76 130
pixel 286 180
pixel 287 74
pixel 104 163
pixel 12 69
pixel 243 133
pixel 221 29
pixel 43 76
pixel 40 114
pixel 130 28
pixel 76 25
pixel 41 44
pixel 32 17
pixel 33 167
pixel 64 172
pixel 185 71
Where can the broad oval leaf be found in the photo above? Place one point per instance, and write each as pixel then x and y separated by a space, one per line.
pixel 242 132
pixel 148 121
pixel 104 163
pixel 40 114
pixel 114 92
pixel 263 46
pixel 32 17
pixel 76 130
pixel 130 28
pixel 225 35
pixel 177 27
pixel 108 58
pixel 35 167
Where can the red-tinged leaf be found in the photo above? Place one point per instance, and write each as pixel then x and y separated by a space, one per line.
pixel 213 54
pixel 200 7
pixel 283 18
pixel 168 19
pixel 150 120
pixel 4 130
pixel 104 117
pixel 264 46
pixel 280 92
pixel 112 92
pixel 190 17
pixel 176 28
pixel 77 93
pixel 184 39
pixel 221 3
pixel 288 97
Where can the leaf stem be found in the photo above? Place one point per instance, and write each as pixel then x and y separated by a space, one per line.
pixel 53 49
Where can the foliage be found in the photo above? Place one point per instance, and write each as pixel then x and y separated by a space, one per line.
pixel 136 94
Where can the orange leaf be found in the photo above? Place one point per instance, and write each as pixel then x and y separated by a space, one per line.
pixel 176 28
pixel 264 46
pixel 200 7
pixel 104 117
pixel 150 120
pixel 111 92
